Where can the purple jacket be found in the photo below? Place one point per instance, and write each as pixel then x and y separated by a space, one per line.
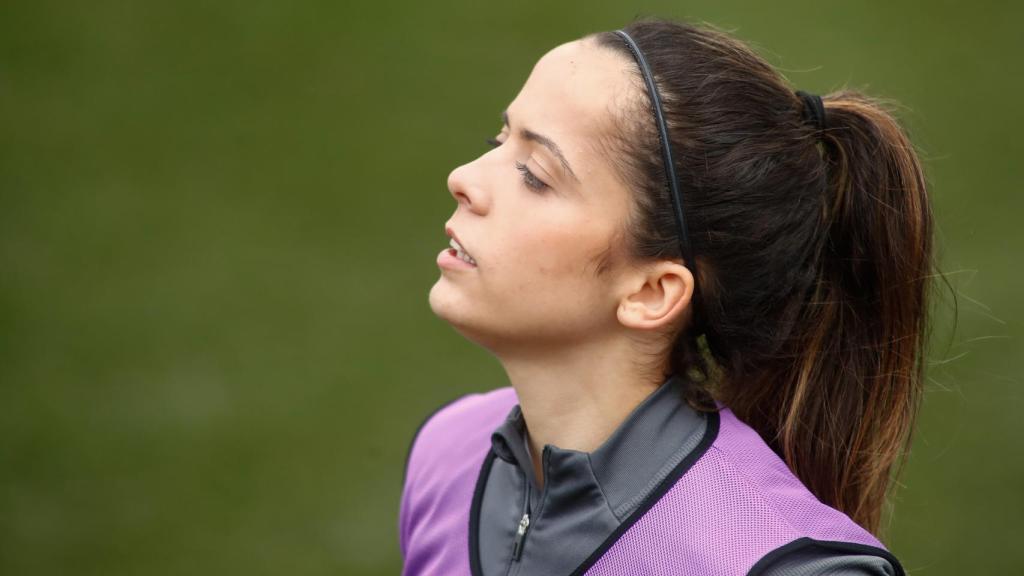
pixel 729 508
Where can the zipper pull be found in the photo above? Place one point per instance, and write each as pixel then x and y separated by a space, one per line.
pixel 517 549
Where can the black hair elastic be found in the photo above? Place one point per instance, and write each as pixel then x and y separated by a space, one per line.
pixel 666 150
pixel 814 109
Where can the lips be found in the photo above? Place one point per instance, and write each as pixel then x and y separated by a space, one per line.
pixel 458 247
pixel 460 252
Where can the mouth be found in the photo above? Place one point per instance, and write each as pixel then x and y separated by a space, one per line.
pixel 457 250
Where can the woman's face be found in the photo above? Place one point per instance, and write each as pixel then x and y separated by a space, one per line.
pixel 539 210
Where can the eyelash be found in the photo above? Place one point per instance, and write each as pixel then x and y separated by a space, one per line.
pixel 531 181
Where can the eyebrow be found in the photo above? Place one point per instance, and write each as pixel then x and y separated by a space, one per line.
pixel 544 141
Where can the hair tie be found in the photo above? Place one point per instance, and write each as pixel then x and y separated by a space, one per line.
pixel 666 150
pixel 814 109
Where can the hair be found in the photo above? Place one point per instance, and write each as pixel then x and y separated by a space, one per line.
pixel 813 255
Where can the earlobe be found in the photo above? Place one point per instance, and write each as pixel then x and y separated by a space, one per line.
pixel 660 297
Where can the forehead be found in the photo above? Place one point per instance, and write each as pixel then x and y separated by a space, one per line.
pixel 569 96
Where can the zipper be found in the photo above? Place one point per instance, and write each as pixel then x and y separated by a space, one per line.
pixel 524 522
pixel 517 548
pixel 524 525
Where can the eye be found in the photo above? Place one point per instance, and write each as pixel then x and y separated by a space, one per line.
pixel 531 181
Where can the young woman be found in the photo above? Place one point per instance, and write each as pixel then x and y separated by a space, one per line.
pixel 708 291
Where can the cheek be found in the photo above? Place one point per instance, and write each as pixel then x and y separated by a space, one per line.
pixel 556 252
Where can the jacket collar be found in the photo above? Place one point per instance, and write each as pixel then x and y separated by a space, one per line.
pixel 652 439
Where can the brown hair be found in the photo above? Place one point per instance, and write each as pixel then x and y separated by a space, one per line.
pixel 813 249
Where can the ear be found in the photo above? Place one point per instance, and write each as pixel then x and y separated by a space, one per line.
pixel 656 297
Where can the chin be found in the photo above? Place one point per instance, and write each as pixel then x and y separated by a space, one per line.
pixel 449 307
pixel 445 304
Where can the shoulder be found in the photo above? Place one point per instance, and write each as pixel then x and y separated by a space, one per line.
pixel 466 415
pixel 810 558
pixel 760 478
pixel 808 537
pixel 444 460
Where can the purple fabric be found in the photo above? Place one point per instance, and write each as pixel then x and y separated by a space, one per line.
pixel 444 464
pixel 737 503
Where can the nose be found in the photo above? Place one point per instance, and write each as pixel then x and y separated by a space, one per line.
pixel 464 183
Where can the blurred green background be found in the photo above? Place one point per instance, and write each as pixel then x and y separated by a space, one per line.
pixel 218 224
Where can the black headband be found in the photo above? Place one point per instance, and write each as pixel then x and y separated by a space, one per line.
pixel 814 109
pixel 670 171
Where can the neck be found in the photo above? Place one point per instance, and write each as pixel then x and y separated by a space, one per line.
pixel 575 397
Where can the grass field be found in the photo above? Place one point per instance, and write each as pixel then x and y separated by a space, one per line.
pixel 218 224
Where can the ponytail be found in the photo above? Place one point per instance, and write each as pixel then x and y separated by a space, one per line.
pixel 842 416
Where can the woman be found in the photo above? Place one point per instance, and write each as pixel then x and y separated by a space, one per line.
pixel 708 291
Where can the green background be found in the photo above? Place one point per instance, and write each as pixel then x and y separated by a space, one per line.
pixel 218 224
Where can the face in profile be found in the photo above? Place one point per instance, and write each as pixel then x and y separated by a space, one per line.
pixel 538 212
